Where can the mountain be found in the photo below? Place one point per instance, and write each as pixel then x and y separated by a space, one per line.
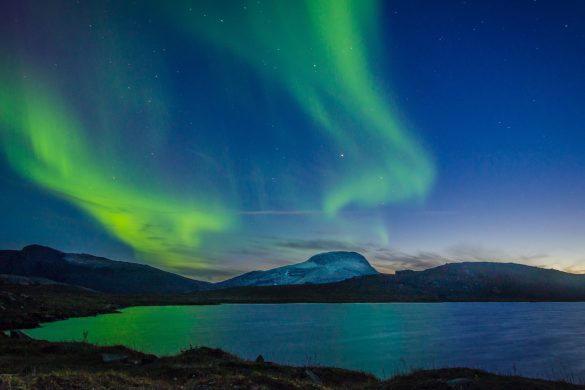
pixel 326 277
pixel 96 273
pixel 322 268
pixel 467 281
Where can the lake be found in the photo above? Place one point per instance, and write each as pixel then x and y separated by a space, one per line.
pixel 544 340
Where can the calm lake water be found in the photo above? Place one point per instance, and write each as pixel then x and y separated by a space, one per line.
pixel 532 339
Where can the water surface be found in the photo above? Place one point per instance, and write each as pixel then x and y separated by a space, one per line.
pixel 532 339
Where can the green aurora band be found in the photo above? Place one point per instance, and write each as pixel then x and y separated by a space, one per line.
pixel 44 143
pixel 316 50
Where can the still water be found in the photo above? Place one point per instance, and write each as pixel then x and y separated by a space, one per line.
pixel 533 339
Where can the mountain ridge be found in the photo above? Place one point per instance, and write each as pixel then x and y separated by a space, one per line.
pixel 96 273
pixel 452 282
pixel 459 281
pixel 327 267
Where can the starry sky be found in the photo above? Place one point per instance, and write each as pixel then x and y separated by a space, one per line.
pixel 212 138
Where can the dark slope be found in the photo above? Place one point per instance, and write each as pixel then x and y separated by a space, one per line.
pixel 450 282
pixel 497 281
pixel 96 273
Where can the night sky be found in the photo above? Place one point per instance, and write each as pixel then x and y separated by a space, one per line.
pixel 211 138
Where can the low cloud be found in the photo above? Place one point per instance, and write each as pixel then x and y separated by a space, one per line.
pixel 388 260
pixel 321 245
pixel 214 274
pixel 474 252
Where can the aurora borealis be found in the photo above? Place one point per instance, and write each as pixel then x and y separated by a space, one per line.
pixel 319 51
pixel 210 138
pixel 150 221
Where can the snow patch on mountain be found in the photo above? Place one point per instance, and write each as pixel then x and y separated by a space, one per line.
pixel 326 267
pixel 87 260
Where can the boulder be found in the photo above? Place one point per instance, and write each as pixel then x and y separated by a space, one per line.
pixel 312 376
pixel 113 358
pixel 19 335
pixel 460 383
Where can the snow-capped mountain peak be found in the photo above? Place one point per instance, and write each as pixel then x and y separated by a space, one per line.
pixel 322 268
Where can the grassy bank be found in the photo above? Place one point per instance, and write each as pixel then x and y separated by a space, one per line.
pixel 33 364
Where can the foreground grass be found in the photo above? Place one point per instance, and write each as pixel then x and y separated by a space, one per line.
pixel 33 364
pixel 27 364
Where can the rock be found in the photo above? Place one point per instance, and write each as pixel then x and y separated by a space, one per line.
pixel 260 359
pixel 312 376
pixel 17 334
pixel 8 296
pixel 147 360
pixel 460 383
pixel 113 358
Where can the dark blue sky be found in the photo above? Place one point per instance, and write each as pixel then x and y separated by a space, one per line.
pixel 212 138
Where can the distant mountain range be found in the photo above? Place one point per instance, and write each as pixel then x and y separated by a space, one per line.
pixel 96 273
pixel 111 276
pixel 326 277
pixel 455 282
pixel 322 268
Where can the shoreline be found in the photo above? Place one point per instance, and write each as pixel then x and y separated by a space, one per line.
pixel 81 365
pixel 29 364
pixel 28 306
